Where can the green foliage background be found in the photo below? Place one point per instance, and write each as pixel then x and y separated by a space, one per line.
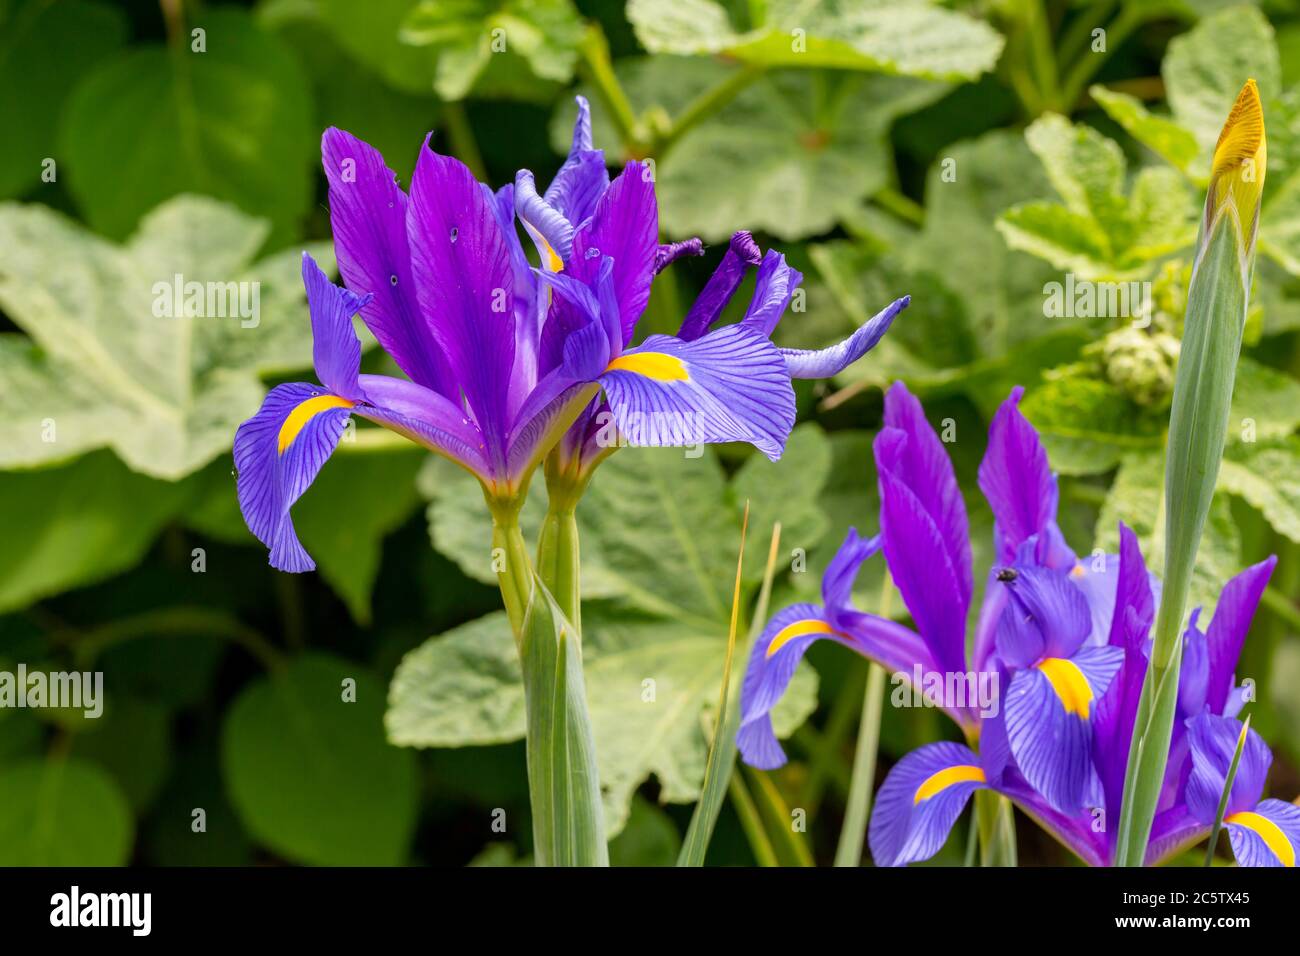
pixel 968 153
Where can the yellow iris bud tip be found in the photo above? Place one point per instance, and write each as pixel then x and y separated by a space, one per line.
pixel 1239 155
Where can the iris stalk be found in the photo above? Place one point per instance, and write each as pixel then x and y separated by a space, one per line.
pixel 854 831
pixel 1216 315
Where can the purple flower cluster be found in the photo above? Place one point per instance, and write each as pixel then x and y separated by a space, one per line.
pixel 1068 644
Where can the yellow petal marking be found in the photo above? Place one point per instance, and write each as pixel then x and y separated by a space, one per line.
pixel 938 782
pixel 654 365
pixel 797 629
pixel 304 412
pixel 1268 831
pixel 1069 683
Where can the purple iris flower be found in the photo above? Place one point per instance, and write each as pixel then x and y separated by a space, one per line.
pixel 732 383
pixel 1262 832
pixel 497 367
pixel 1066 641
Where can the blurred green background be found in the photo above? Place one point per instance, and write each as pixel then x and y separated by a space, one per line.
pixel 966 153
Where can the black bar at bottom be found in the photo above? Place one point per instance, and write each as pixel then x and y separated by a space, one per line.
pixel 917 906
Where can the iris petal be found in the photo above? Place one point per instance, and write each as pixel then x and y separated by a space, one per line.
pixel 1267 836
pixel 625 228
pixel 271 477
pixel 773 287
pixel 368 219
pixel 920 800
pixel 461 266
pixel 830 361
pixel 1016 479
pixel 772 663
pixel 336 350
pixel 1048 710
pixel 735 389
pixel 1213 741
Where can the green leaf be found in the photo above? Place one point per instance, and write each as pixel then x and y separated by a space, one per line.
pixel 78 524
pixel 1281 240
pixel 355 502
pixel 232 121
pixel 62 813
pixel 999 289
pixel 46 47
pixel 132 743
pixel 460 689
pixel 1265 403
pixel 563 785
pixel 1087 425
pixel 109 361
pixel 797 150
pixel 463 688
pixel 465 36
pixel 1068 240
pixel 659 532
pixel 649 838
pixel 1205 68
pixel 355 97
pixel 170 838
pixel 1268 477
pixel 359 498
pixel 1099 232
pixel 1167 138
pixel 310 774
pixel 370 32
pixel 913 37
pixel 1085 168
pixel 778 491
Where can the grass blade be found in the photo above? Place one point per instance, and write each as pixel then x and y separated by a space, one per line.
pixel 781 819
pixel 1227 792
pixel 722 748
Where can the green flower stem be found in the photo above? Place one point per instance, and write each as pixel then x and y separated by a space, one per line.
pixel 558 561
pixel 705 105
pixel 1130 17
pixel 997 831
pixel 1078 37
pixel 904 207
pixel 510 558
pixel 823 749
pixel 972 840
pixel 849 850
pixel 1217 303
pixel 1041 53
pixel 563 782
pixel 599 70
pixel 177 621
pixel 463 144
pixel 1282 606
